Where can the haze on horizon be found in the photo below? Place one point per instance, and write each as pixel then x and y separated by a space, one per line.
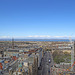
pixel 37 18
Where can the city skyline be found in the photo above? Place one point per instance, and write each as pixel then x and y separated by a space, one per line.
pixel 37 19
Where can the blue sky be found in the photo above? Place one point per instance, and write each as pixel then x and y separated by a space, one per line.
pixel 37 18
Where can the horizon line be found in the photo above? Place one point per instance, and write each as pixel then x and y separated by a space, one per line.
pixel 37 37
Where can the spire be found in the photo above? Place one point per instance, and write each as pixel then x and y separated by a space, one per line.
pixel 12 43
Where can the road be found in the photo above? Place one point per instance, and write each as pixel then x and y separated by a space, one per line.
pixel 46 65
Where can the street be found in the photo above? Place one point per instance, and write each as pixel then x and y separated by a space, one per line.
pixel 46 65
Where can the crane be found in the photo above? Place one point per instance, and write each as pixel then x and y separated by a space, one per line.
pixel 72 52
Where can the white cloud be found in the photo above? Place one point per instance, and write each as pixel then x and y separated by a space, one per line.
pixel 35 36
pixel 54 37
pixel 5 37
pixel 61 36
pixel 41 36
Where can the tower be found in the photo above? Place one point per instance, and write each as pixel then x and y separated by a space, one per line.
pixel 12 43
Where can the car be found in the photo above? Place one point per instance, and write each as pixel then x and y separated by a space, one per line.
pixel 51 65
pixel 48 71
pixel 39 68
pixel 49 60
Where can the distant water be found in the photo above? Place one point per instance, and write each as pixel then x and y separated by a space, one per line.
pixel 61 40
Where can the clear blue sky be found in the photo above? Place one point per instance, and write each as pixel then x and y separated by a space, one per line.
pixel 37 17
